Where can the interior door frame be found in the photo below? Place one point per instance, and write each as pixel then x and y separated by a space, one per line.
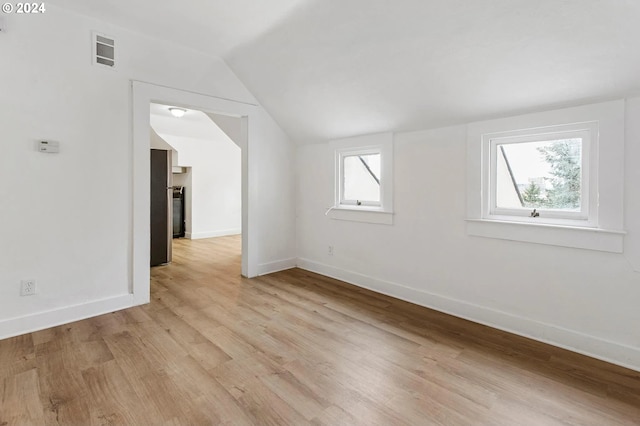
pixel 142 95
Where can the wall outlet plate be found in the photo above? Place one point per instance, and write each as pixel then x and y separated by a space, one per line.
pixel 27 287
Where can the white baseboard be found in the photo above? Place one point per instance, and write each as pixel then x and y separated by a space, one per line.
pixel 212 234
pixel 595 347
pixel 47 319
pixel 280 265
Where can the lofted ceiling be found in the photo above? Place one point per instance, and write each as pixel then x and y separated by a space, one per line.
pixel 329 69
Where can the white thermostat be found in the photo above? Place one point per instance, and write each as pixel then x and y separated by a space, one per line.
pixel 49 147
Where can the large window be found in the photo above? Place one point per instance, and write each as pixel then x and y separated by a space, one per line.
pixel 363 178
pixel 542 175
pixel 553 177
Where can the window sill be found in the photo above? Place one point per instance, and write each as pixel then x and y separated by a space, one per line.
pixel 361 214
pixel 555 235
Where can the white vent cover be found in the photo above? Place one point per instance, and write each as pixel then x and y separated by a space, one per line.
pixel 104 52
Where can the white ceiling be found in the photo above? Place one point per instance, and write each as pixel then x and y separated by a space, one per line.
pixel 194 124
pixel 328 69
pixel 213 26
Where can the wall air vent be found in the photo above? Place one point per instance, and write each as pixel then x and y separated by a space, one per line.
pixel 104 52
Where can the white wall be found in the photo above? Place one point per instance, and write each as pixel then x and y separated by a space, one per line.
pixel 229 125
pixel 156 142
pixel 215 202
pixel 69 222
pixel 580 299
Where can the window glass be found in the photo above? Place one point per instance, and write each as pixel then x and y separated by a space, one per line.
pixel 543 175
pixel 361 178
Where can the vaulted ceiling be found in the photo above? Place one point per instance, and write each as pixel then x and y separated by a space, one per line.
pixel 330 69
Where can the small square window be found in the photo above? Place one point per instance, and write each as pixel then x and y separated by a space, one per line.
pixel 363 171
pixel 361 179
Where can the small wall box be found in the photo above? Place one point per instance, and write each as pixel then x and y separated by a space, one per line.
pixel 49 147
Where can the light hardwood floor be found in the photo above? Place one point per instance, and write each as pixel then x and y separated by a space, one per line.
pixel 295 348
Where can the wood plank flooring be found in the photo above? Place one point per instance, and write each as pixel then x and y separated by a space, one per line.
pixel 295 348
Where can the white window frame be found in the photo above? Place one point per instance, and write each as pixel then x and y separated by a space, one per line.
pixel 367 211
pixel 603 230
pixel 588 214
pixel 341 154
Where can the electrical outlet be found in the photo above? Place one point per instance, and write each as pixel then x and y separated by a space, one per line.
pixel 27 287
pixel 330 251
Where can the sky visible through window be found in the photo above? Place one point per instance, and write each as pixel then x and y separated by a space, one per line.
pixel 547 174
pixel 360 174
pixel 527 162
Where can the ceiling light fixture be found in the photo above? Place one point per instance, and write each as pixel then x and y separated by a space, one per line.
pixel 177 112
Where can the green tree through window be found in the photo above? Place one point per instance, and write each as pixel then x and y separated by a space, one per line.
pixel 565 159
pixel 532 196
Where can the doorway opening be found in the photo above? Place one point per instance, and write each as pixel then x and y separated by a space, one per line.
pixel 196 178
pixel 143 95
